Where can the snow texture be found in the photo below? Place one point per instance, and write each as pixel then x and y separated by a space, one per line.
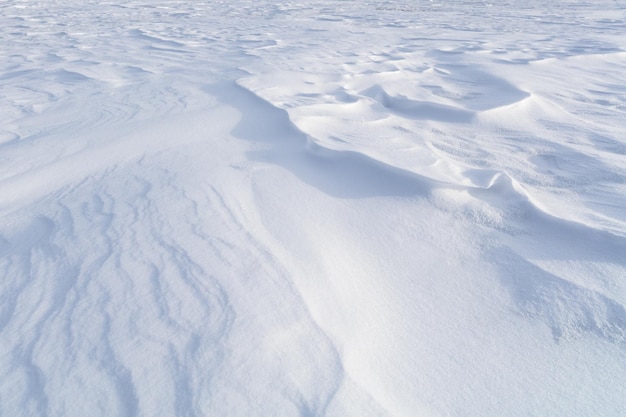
pixel 313 208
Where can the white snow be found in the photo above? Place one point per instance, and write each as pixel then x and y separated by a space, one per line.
pixel 313 208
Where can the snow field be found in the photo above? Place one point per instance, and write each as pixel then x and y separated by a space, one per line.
pixel 328 208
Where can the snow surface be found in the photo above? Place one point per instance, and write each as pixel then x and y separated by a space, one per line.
pixel 313 208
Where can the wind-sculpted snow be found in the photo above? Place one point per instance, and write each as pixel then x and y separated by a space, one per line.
pixel 326 208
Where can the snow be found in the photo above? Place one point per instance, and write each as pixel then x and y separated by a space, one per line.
pixel 313 208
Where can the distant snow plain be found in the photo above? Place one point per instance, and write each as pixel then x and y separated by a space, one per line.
pixel 313 208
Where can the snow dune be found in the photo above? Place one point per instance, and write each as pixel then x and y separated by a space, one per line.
pixel 327 208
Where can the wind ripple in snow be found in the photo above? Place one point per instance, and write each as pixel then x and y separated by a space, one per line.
pixel 246 208
pixel 108 297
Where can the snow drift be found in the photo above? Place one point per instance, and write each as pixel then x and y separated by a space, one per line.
pixel 327 208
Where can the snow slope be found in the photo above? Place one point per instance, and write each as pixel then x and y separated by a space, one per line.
pixel 312 208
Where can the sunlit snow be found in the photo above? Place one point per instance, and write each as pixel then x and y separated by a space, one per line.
pixel 313 208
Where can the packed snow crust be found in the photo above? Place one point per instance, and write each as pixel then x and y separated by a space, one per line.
pixel 313 208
